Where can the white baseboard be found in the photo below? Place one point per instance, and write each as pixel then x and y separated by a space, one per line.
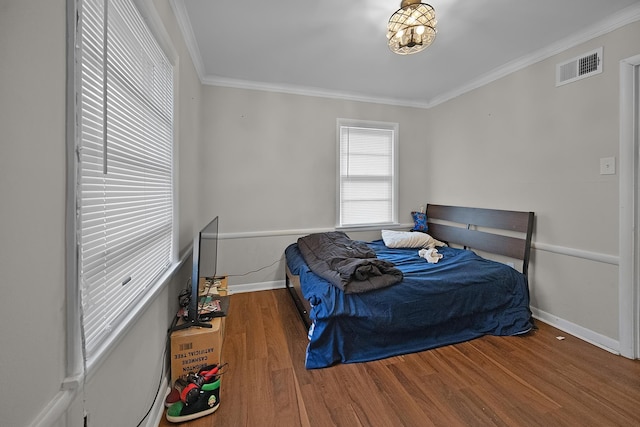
pixel 254 287
pixel 599 340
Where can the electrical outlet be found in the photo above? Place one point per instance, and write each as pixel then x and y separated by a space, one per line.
pixel 607 166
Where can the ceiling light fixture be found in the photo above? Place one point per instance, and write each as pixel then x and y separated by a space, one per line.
pixel 411 28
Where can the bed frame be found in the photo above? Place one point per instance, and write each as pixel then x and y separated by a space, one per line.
pixel 499 232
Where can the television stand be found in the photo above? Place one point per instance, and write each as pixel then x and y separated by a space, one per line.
pixel 194 348
pixel 191 323
pixel 217 283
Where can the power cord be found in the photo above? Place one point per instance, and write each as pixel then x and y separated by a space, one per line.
pixel 259 269
pixel 166 344
pixel 164 360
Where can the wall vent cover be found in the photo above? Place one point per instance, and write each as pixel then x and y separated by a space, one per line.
pixel 582 66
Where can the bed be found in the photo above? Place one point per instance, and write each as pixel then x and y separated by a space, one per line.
pixel 460 297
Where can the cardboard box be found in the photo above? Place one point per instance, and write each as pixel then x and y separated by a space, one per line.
pixel 195 347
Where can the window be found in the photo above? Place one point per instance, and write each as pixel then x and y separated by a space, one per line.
pixel 124 190
pixel 367 182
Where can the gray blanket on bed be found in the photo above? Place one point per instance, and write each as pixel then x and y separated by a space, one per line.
pixel 348 264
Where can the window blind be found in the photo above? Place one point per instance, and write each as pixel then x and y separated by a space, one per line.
pixel 367 180
pixel 125 164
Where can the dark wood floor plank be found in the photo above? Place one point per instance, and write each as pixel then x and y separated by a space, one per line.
pixel 396 397
pixel 532 380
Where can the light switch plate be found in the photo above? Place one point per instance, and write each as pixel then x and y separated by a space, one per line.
pixel 607 166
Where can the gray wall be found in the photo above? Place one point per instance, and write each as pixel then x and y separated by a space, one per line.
pixel 32 233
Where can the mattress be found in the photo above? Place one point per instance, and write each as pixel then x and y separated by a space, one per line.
pixel 461 297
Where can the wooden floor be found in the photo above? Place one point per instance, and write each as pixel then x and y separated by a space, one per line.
pixel 533 380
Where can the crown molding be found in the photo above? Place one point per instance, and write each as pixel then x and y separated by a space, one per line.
pixel 308 91
pixel 186 29
pixel 626 16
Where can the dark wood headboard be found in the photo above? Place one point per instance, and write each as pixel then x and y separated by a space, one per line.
pixel 464 230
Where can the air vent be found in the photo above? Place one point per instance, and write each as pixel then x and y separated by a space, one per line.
pixel 579 67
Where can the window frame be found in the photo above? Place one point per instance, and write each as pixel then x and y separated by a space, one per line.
pixel 78 361
pixel 371 125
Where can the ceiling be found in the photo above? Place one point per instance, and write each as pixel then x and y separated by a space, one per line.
pixel 338 48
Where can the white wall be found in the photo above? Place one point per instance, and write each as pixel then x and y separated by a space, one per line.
pixel 522 143
pixel 518 143
pixel 271 162
pixel 32 233
pixel 32 207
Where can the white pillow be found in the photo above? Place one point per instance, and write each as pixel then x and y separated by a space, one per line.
pixel 409 239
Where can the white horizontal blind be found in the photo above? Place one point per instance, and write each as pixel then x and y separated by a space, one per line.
pixel 367 184
pixel 125 164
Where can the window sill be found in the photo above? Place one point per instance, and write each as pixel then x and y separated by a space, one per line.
pixel 93 363
pixel 373 227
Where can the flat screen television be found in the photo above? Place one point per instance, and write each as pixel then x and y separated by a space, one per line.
pixel 205 257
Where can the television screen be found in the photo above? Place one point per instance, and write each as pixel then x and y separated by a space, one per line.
pixel 209 250
pixel 205 254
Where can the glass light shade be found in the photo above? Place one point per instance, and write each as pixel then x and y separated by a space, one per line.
pixel 411 28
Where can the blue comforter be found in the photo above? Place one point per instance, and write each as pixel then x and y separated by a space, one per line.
pixel 461 297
